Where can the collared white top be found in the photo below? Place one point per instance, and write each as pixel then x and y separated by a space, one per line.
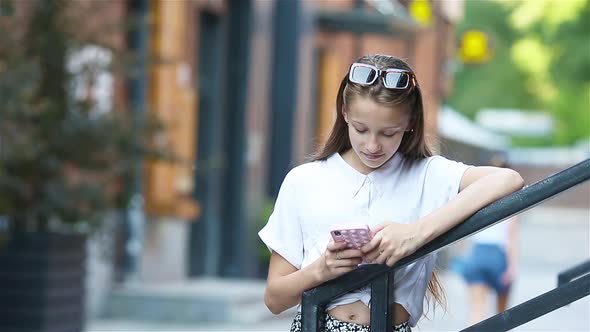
pixel 316 195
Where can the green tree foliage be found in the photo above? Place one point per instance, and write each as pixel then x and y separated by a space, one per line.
pixel 554 51
pixel 59 160
pixel 541 61
pixel 497 83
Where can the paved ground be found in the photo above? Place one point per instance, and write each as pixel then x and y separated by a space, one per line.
pixel 551 240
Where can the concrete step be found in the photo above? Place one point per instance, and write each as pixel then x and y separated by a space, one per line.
pixel 197 301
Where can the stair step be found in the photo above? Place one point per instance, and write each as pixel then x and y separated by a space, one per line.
pixel 203 300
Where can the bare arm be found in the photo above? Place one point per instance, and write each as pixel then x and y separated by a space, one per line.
pixel 479 187
pixel 512 245
pixel 286 284
pixel 511 251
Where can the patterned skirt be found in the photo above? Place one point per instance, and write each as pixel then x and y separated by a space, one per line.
pixel 335 325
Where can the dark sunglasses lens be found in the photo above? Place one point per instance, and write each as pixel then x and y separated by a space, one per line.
pixel 396 80
pixel 363 75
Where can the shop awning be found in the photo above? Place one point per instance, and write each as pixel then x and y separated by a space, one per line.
pixel 360 20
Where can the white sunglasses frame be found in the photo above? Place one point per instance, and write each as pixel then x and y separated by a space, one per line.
pixel 380 74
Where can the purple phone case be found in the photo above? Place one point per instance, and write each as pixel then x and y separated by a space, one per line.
pixel 355 237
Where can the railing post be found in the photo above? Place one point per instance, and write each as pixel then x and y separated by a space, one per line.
pixel 313 316
pixel 380 308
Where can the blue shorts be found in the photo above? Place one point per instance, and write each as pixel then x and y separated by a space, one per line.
pixel 486 265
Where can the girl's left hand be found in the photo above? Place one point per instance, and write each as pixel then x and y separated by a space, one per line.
pixel 391 242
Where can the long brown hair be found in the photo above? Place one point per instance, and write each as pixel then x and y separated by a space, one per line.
pixel 413 145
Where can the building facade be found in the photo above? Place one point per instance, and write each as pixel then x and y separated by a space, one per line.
pixel 247 90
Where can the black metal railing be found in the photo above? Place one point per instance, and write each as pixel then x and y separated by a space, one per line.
pixel 568 275
pixel 566 292
pixel 380 277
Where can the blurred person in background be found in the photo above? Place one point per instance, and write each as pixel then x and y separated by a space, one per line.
pixel 491 265
pixel 375 166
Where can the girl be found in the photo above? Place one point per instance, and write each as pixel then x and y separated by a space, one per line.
pixel 375 168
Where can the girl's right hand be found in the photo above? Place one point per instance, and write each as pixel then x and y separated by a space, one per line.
pixel 338 260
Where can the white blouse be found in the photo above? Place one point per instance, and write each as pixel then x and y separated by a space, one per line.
pixel 316 195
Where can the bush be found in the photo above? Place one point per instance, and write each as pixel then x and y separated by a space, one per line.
pixel 63 160
pixel 265 212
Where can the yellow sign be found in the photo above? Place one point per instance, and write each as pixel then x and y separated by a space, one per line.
pixel 475 47
pixel 421 11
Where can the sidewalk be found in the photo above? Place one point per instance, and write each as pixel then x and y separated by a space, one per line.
pixel 551 240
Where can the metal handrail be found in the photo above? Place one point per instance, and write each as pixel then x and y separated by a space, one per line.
pixel 564 294
pixel 314 300
pixel 573 272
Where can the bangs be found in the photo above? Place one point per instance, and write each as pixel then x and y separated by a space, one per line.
pixel 391 97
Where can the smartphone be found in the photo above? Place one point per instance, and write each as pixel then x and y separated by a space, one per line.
pixel 354 235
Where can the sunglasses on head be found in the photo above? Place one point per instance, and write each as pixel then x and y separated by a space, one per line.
pixel 393 78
